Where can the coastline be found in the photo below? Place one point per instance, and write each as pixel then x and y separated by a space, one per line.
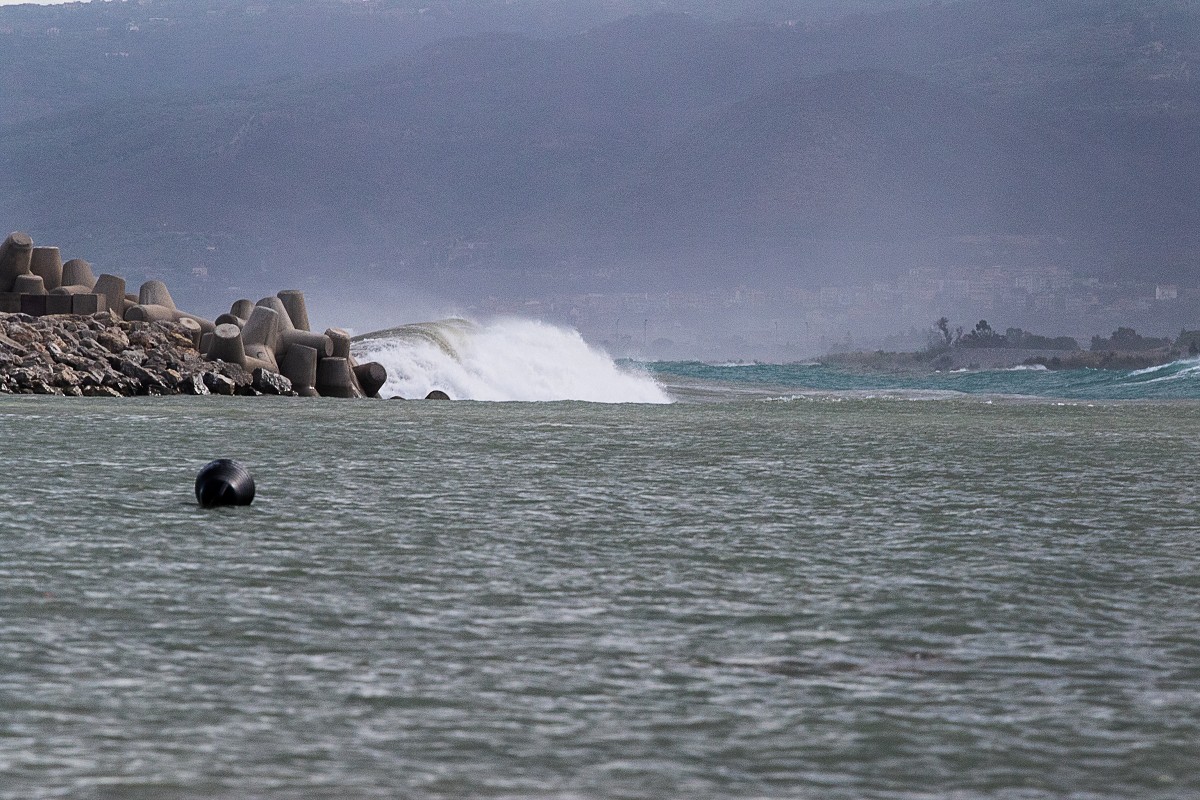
pixel 100 355
pixel 989 358
pixel 67 331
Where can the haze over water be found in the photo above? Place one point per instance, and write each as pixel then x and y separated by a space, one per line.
pixel 614 580
pixel 834 596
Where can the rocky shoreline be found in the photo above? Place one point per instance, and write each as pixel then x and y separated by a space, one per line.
pixel 99 355
pixel 66 331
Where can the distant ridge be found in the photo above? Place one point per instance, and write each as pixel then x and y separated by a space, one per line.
pixel 660 138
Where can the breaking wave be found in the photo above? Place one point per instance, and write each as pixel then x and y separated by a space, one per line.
pixel 1178 380
pixel 512 359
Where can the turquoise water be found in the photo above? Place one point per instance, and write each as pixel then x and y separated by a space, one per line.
pixel 833 596
pixel 1178 380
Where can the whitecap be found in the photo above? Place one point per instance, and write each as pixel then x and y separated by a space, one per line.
pixel 505 360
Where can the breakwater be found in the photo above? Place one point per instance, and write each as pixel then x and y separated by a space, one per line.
pixel 67 331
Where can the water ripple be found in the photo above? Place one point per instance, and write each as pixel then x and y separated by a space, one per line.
pixel 852 599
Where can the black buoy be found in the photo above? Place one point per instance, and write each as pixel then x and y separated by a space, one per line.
pixel 224 482
pixel 437 394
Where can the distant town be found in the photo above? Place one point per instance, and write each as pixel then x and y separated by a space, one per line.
pixel 788 321
pixel 797 323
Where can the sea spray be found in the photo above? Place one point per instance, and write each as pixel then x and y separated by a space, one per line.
pixel 506 360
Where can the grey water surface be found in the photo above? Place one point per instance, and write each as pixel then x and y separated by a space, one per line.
pixel 831 597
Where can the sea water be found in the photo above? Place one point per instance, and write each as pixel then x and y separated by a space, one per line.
pixel 820 592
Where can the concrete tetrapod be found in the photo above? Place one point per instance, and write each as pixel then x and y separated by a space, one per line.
pixel 227 345
pixel 285 328
pixel 205 324
pixel 29 284
pixel 74 288
pixel 371 377
pixel 150 312
pixel 276 305
pixel 113 290
pixel 341 342
pixel 192 328
pixel 262 327
pixel 260 356
pixel 224 482
pixel 296 338
pixel 47 263
pixel 297 309
pixel 15 256
pixel 300 367
pixel 334 378
pixel 154 293
pixel 242 308
pixel 78 272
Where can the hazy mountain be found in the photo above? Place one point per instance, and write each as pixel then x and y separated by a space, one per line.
pixel 55 58
pixel 662 148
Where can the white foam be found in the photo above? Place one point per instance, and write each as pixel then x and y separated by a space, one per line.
pixel 1184 370
pixel 1157 368
pixel 510 359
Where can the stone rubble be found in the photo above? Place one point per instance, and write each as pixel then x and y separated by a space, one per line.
pixel 102 356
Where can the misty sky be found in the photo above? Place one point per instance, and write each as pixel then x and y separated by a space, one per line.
pixel 746 166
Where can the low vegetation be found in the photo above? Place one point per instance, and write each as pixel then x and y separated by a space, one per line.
pixel 983 335
pixel 984 347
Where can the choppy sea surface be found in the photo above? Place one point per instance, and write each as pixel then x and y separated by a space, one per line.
pixel 867 591
pixel 693 380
